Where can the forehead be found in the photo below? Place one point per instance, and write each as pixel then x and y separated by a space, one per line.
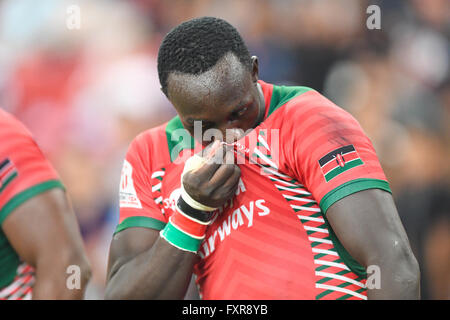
pixel 224 84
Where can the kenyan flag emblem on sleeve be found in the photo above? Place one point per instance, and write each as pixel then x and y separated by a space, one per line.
pixel 338 161
pixel 8 173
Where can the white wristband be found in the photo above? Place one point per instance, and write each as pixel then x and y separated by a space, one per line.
pixel 193 163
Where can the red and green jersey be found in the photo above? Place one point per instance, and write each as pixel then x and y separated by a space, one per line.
pixel 24 173
pixel 272 240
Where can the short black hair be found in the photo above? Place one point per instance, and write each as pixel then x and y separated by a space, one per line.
pixel 195 46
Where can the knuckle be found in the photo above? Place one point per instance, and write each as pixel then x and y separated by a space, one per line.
pixel 207 191
pixel 194 181
pixel 217 197
pixel 229 169
pixel 191 183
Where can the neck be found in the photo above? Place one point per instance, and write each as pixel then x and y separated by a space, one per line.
pixel 262 106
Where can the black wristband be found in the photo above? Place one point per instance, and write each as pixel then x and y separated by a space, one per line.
pixel 203 216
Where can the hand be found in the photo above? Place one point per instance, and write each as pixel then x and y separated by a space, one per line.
pixel 216 180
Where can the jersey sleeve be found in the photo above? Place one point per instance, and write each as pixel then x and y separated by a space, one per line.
pixel 330 152
pixel 138 207
pixel 24 170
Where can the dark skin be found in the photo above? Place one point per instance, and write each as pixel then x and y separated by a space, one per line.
pixel 368 226
pixel 236 103
pixel 51 247
pixel 225 97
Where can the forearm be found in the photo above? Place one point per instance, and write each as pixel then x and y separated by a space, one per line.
pixel 52 280
pixel 161 272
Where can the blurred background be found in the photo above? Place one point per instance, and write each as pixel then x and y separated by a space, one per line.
pixel 86 92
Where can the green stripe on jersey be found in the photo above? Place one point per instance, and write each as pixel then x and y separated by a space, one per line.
pixel 338 170
pixel 23 196
pixel 347 296
pixel 178 138
pixel 144 222
pixel 282 94
pixel 349 188
pixel 6 183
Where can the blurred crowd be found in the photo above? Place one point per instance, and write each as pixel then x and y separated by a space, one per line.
pixel 86 92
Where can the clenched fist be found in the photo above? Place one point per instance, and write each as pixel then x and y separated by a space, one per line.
pixel 216 179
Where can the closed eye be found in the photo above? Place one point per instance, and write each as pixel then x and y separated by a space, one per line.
pixel 242 111
pixel 204 124
pixel 239 113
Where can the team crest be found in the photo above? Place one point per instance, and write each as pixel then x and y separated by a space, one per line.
pixel 338 161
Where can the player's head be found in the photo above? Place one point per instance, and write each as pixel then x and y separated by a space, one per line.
pixel 206 71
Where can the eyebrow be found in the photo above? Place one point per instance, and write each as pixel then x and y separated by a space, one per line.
pixel 240 105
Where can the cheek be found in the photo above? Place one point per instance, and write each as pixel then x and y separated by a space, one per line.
pixel 251 117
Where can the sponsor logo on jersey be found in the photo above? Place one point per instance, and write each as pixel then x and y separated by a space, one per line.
pixel 338 161
pixel 127 193
pixel 8 172
pixel 242 216
pixel 171 202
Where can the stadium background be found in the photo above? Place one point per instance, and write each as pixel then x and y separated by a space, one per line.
pixel 85 93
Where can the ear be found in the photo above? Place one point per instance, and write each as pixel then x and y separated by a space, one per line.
pixel 255 69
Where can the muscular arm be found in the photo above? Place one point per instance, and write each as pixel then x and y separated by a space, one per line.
pixel 142 265
pixel 44 232
pixel 368 226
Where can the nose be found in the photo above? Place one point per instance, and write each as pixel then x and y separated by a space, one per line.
pixel 226 133
pixel 232 134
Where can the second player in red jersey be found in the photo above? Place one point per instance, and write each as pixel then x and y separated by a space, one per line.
pixel 39 236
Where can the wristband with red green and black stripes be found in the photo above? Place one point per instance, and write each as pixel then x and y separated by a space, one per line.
pixel 186 228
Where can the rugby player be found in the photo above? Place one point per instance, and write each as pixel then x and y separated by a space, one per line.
pixel 39 235
pixel 310 218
